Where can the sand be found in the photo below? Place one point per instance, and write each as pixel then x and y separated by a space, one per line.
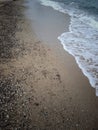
pixel 41 87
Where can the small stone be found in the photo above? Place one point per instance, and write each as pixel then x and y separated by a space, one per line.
pixel 36 104
pixel 7 116
pixel 77 125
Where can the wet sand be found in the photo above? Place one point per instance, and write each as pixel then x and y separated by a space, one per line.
pixel 41 86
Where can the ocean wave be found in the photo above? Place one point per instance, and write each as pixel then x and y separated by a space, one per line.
pixel 82 39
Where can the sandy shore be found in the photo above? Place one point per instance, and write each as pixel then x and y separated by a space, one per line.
pixel 41 87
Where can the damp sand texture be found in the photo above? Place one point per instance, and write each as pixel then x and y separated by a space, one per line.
pixel 38 89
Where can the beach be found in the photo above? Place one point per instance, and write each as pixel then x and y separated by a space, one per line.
pixel 41 85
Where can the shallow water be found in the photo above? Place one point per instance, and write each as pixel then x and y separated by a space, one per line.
pixel 81 40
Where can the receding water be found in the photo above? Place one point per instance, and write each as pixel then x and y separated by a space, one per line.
pixel 81 40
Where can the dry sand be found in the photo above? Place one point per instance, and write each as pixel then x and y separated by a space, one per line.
pixel 41 88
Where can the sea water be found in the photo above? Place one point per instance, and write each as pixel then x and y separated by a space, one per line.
pixel 82 39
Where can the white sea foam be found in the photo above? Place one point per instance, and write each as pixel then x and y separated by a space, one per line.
pixel 82 39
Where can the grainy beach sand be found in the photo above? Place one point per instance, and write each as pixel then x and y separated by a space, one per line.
pixel 41 87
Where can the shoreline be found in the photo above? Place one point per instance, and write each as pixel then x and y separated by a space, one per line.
pixel 75 77
pixel 52 38
pixel 86 73
pixel 42 86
